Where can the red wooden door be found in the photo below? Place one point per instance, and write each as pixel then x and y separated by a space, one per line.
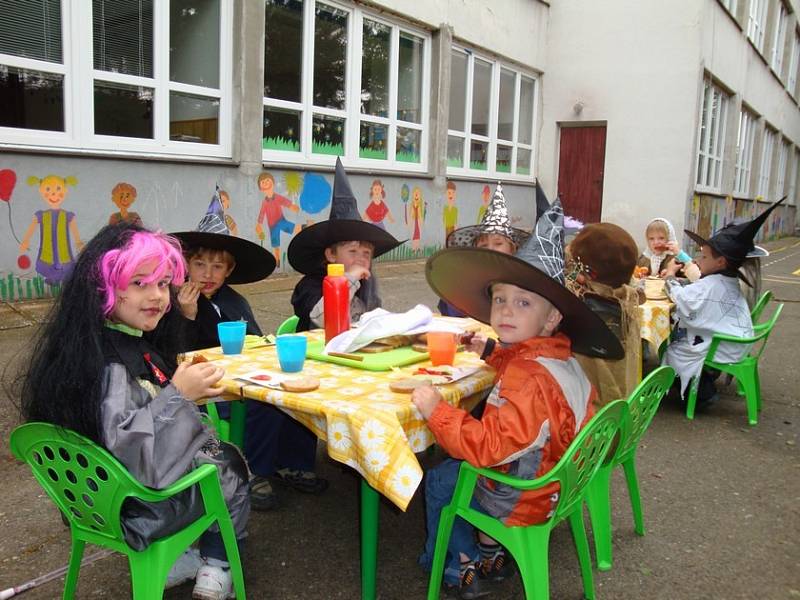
pixel 581 161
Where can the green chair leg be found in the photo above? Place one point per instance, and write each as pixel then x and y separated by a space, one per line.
pixel 446 520
pixel 599 503
pixel 533 562
pixel 751 395
pixel 691 401
pixel 370 504
pixel 629 467
pixel 582 547
pixel 75 557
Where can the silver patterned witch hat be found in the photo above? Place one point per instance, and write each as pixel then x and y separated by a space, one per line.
pixel 495 220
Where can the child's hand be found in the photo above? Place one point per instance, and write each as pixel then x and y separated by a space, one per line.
pixel 476 343
pixel 357 272
pixel 187 299
pixel 426 398
pixel 198 381
pixel 673 248
pixel 671 269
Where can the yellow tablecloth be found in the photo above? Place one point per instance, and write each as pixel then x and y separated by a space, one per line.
pixel 655 324
pixel 366 425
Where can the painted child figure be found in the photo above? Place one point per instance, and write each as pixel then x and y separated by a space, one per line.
pixel 344 238
pixel 712 304
pixel 540 400
pixel 277 448
pixel 117 386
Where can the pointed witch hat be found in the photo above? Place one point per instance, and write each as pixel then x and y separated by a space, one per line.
pixel 464 278
pixel 735 240
pixel 253 263
pixel 306 252
pixel 495 220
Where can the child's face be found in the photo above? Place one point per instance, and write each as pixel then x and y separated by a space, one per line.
pixel 210 269
pixel 53 190
pixel 123 198
pixel 141 305
pixel 376 192
pixel 657 240
pixel 496 242
pixel 451 196
pixel 518 315
pixel 350 254
pixel 706 262
pixel 266 185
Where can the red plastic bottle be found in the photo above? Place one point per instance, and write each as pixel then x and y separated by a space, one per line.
pixel 336 295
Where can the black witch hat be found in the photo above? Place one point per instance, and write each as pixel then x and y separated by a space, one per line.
pixel 253 263
pixel 464 277
pixel 306 252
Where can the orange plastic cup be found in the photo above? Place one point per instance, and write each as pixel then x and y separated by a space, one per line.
pixel 441 347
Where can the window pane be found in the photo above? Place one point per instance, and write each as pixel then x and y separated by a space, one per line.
pixel 283 49
pixel 525 133
pixel 478 153
pixel 193 118
pixel 455 152
pixel 281 130
pixel 327 135
pixel 123 110
pixel 372 141
pixel 503 163
pixel 409 142
pixel 375 50
pixel 123 36
pixel 31 99
pixel 481 85
pixel 194 42
pixel 409 79
pixel 31 29
pixel 505 114
pixel 523 161
pixel 330 56
pixel 458 90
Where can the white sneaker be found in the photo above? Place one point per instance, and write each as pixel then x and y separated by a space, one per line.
pixel 213 583
pixel 185 568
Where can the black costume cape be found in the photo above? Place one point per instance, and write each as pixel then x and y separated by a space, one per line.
pixel 202 332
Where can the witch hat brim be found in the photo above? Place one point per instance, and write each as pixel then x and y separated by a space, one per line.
pixel 253 263
pixel 463 277
pixel 306 252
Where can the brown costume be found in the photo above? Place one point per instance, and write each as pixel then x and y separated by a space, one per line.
pixel 603 257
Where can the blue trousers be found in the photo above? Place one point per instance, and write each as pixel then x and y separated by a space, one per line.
pixel 440 483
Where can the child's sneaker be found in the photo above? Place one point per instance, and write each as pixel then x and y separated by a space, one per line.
pixel 498 568
pixel 470 587
pixel 185 568
pixel 213 583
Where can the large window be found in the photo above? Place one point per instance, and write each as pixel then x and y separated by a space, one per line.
pixel 783 160
pixel 150 76
pixel 756 22
pixel 491 119
pixel 791 192
pixel 339 81
pixel 711 137
pixel 767 148
pixel 778 39
pixel 794 66
pixel 744 153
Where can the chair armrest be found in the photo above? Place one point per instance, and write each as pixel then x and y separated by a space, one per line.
pixel 509 480
pixel 187 481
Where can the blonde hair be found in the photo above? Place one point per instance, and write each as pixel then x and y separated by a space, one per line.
pixel 657 226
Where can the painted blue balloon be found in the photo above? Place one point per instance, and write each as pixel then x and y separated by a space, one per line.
pixel 316 194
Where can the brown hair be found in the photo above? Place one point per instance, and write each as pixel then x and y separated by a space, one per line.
pixel 451 185
pixel 265 175
pixel 123 187
pixel 211 253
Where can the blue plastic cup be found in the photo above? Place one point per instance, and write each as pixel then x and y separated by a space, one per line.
pixel 291 352
pixel 231 336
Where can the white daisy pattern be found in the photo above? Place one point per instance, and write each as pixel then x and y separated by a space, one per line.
pixel 371 434
pixel 406 480
pixel 376 460
pixel 419 439
pixel 340 406
pixel 352 391
pixel 339 436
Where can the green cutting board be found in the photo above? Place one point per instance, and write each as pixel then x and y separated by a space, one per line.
pixel 381 361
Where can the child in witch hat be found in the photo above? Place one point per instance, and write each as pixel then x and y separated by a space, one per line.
pixel 541 396
pixel 494 232
pixel 712 304
pixel 276 446
pixel 344 238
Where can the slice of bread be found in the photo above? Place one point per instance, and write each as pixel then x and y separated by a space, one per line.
pixel 408 385
pixel 300 384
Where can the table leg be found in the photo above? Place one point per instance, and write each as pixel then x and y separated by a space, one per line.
pixel 238 414
pixel 369 539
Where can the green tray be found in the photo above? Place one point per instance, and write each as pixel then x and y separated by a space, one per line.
pixel 381 361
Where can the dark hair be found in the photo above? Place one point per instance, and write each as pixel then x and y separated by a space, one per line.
pixel 63 381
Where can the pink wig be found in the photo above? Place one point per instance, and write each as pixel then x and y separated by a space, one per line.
pixel 118 266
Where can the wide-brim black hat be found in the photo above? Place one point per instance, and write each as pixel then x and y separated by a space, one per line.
pixel 306 252
pixel 464 277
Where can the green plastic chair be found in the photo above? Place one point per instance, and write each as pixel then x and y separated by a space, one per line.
pixel 88 485
pixel 760 306
pixel 642 406
pixel 745 371
pixel 529 545
pixel 288 326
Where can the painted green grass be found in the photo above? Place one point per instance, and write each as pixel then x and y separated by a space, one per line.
pixel 409 157
pixel 503 167
pixel 477 165
pixel 280 143
pixel 523 171
pixel 405 252
pixel 326 148
pixel 372 153
pixel 14 289
pixel 458 163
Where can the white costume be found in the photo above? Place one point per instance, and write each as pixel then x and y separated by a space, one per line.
pixel 713 304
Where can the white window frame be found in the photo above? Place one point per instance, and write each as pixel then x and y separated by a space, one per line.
pixel 779 39
pixel 794 66
pixel 492 139
pixel 80 75
pixel 783 157
pixel 767 150
pixel 711 139
pixel 744 152
pixel 756 22
pixel 730 5
pixel 352 111
pixel 791 192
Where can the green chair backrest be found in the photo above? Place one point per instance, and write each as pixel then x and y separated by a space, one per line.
pixel 83 479
pixel 642 406
pixel 760 305
pixel 759 338
pixel 288 326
